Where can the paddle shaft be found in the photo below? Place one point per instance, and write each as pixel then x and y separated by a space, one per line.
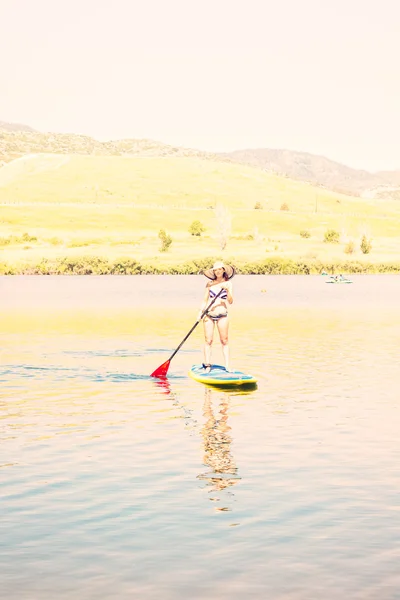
pixel 195 325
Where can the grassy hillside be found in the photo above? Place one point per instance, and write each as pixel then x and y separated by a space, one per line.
pixel 17 141
pixel 54 206
pixel 190 183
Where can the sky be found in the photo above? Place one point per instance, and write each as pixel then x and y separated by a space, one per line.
pixel 319 76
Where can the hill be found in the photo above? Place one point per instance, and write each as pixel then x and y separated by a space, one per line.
pixel 17 142
pixel 20 140
pixel 169 181
pixel 77 209
pixel 14 126
pixel 309 167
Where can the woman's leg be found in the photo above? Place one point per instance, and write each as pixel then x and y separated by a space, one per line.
pixel 208 325
pixel 223 326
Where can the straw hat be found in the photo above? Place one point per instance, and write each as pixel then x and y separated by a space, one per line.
pixel 229 270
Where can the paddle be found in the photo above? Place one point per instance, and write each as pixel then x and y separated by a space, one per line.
pixel 163 369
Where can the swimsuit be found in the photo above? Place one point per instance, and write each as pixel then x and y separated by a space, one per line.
pixel 223 296
pixel 216 317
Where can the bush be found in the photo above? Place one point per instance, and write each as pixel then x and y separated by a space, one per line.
pixel 331 236
pixel 125 266
pixel 28 238
pixel 366 245
pixel 304 233
pixel 166 240
pixel 14 239
pixel 284 206
pixel 98 265
pixel 78 265
pixel 78 244
pixel 247 237
pixel 197 228
pixel 258 206
pixel 350 248
pixel 55 241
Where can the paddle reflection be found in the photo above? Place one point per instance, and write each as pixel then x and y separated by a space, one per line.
pixel 217 446
pixel 163 384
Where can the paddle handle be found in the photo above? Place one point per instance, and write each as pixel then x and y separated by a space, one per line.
pixel 197 322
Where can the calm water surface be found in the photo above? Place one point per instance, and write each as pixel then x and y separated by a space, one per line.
pixel 116 485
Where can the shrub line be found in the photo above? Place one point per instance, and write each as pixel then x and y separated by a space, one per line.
pixel 130 266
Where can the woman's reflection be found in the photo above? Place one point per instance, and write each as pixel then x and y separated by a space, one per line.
pixel 217 445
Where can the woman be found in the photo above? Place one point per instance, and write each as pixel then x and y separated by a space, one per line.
pixel 219 275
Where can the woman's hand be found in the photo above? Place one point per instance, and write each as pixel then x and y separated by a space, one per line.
pixel 228 287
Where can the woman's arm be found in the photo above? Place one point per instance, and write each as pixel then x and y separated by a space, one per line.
pixel 228 287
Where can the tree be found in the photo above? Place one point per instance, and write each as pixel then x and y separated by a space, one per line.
pixel 166 240
pixel 331 236
pixel 224 224
pixel 350 247
pixel 197 228
pixel 366 245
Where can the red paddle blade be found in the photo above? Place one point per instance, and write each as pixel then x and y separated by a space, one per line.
pixel 162 370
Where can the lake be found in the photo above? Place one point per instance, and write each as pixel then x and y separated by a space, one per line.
pixel 117 485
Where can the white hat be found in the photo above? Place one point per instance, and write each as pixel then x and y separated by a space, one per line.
pixel 229 270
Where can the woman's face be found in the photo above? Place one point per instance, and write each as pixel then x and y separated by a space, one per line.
pixel 219 272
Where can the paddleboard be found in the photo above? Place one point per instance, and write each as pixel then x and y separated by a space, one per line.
pixel 218 375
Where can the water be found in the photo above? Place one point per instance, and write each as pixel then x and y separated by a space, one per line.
pixel 115 485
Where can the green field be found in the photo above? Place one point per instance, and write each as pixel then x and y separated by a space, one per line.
pixel 66 207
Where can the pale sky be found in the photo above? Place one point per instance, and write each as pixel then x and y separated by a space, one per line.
pixel 320 76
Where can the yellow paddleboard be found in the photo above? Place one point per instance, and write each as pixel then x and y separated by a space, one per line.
pixel 219 376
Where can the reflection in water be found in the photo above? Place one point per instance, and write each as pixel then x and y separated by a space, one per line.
pixel 217 446
pixel 216 440
pixel 163 384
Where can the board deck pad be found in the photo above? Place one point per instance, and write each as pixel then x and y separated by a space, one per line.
pixel 218 375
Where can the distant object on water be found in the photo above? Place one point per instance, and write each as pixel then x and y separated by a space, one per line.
pixel 338 279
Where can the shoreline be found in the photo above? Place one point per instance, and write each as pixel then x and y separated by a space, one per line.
pixel 127 266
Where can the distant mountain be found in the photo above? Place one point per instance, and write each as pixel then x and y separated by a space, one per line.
pixel 15 143
pixel 14 126
pixel 392 176
pixel 18 140
pixel 313 169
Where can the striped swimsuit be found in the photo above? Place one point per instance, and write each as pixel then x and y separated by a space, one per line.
pixel 223 296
